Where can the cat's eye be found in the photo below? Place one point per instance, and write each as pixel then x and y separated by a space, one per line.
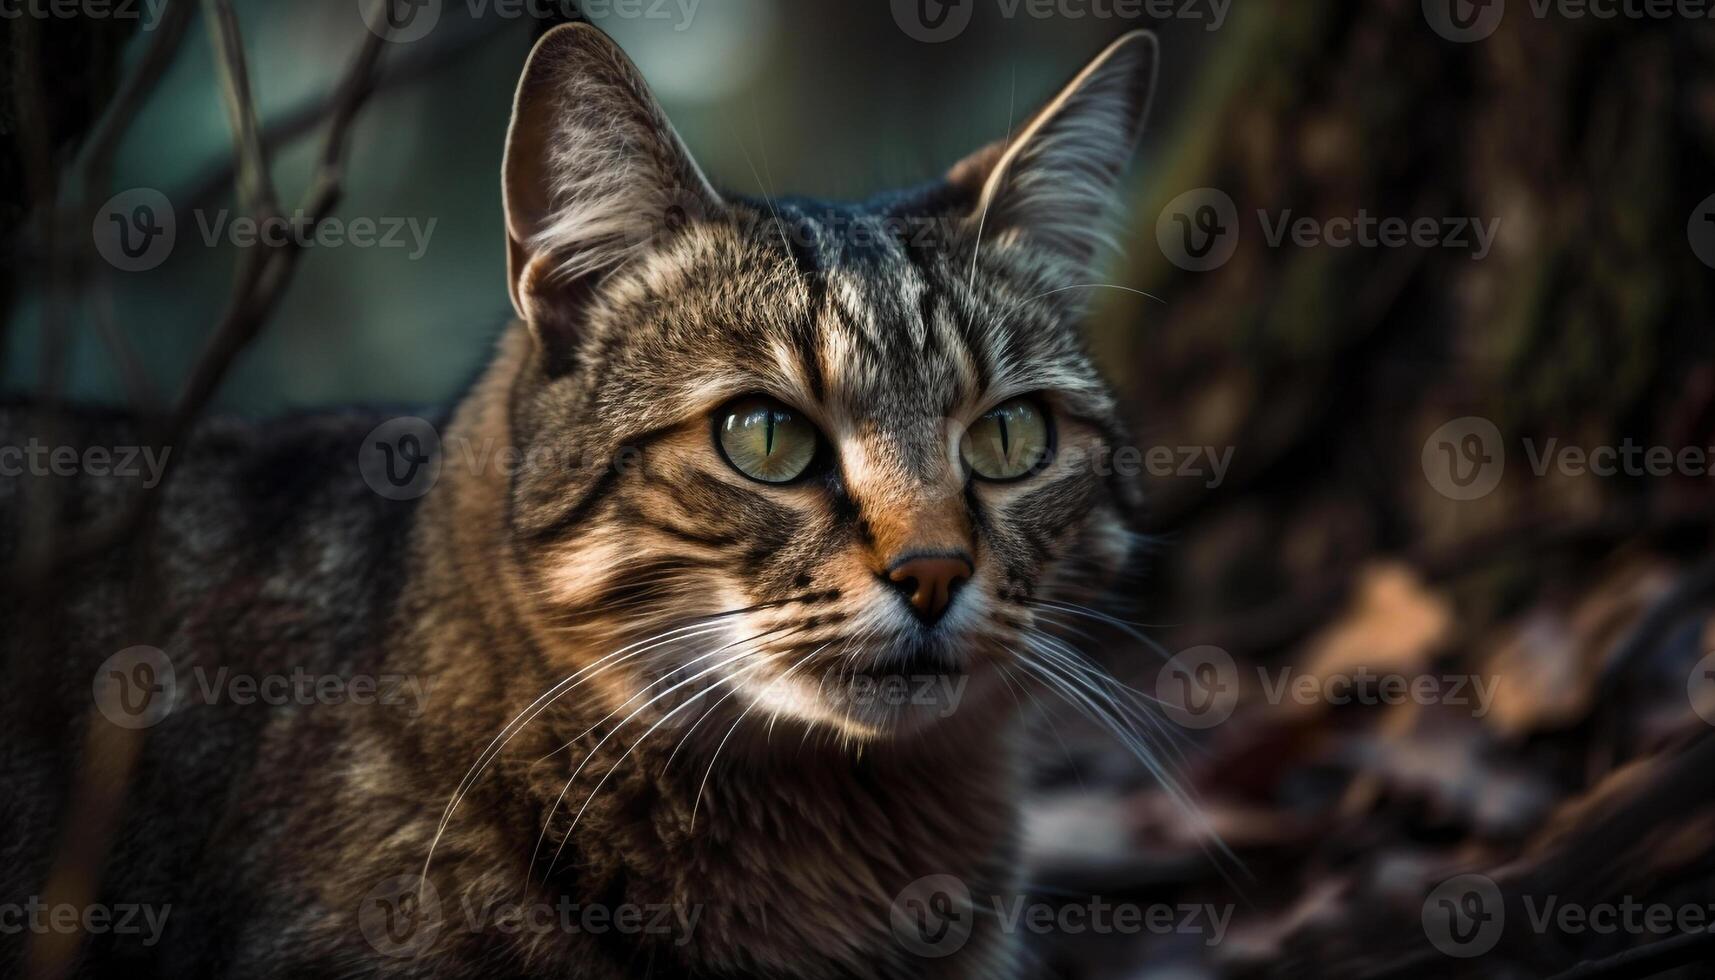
pixel 1011 441
pixel 766 440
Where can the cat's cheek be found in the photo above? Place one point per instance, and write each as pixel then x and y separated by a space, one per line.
pixel 1096 556
pixel 574 576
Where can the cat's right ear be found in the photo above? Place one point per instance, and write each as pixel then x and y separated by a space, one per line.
pixel 1055 183
pixel 593 171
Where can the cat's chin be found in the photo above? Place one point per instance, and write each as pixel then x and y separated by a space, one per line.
pixel 894 704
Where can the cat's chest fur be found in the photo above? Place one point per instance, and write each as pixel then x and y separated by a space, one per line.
pixel 795 866
pixel 798 865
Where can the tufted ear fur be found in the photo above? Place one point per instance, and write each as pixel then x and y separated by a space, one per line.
pixel 594 173
pixel 1054 183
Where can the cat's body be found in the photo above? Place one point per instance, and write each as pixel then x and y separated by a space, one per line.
pixel 265 560
pixel 763 822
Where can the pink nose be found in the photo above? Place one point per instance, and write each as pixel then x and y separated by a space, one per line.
pixel 929 581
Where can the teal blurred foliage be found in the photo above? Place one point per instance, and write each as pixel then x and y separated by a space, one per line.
pixel 820 98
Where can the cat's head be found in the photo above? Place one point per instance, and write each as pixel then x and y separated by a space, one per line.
pixel 839 448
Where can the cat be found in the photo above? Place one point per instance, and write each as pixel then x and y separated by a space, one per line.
pixel 713 676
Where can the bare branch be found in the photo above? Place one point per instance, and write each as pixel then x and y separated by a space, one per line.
pixel 415 62
pixel 255 184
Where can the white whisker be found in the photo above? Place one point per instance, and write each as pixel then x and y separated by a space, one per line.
pixel 640 739
pixel 540 705
pixel 548 822
pixel 748 709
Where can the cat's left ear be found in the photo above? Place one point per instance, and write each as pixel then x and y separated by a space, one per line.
pixel 1054 182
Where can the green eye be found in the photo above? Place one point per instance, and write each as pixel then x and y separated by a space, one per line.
pixel 765 440
pixel 1010 441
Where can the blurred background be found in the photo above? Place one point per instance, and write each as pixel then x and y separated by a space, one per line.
pixel 1469 449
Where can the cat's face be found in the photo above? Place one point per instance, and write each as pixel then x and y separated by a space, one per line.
pixel 848 453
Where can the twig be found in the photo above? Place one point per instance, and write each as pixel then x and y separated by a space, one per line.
pixel 255 185
pixel 98 155
pixel 258 288
pixel 416 62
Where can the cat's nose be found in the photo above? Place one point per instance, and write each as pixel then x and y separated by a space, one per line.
pixel 929 581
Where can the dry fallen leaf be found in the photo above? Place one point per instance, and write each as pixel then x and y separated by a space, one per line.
pixel 1394 624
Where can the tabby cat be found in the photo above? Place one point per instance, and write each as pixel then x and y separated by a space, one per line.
pixel 716 609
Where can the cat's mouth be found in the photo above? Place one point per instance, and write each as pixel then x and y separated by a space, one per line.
pixel 906 687
pixel 917 657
